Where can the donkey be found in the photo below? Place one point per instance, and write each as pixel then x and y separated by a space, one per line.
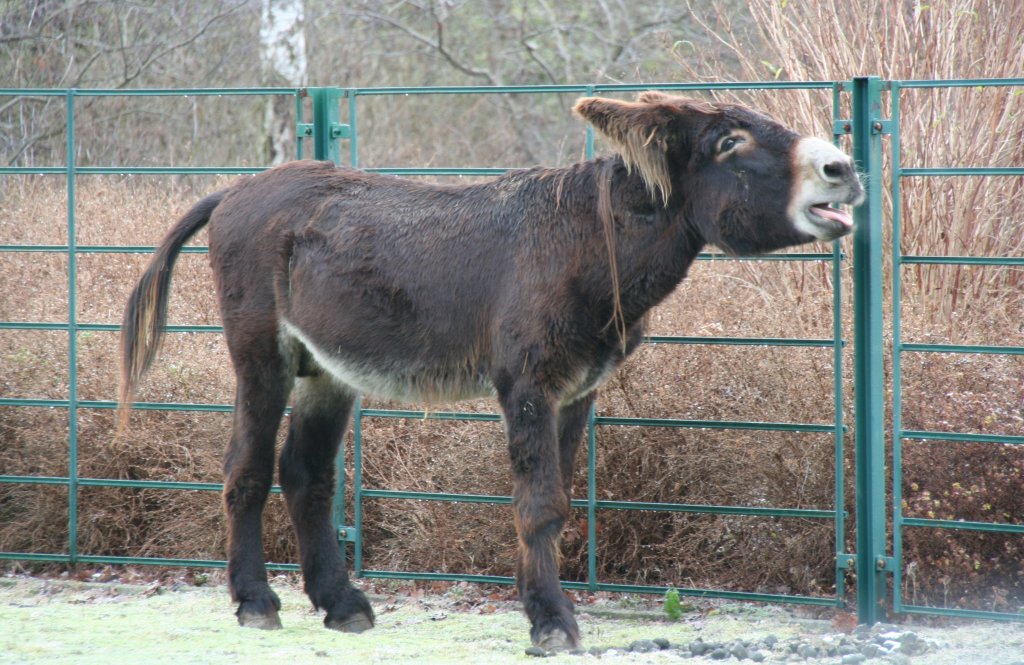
pixel 532 288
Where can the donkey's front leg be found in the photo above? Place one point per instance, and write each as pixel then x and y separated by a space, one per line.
pixel 541 506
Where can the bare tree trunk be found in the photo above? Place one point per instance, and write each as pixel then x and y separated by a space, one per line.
pixel 283 50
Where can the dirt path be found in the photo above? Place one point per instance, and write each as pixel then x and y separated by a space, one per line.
pixel 61 621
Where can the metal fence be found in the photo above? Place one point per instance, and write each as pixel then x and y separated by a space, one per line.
pixel 328 136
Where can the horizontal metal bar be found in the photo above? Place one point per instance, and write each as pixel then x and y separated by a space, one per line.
pixel 134 170
pixel 791 256
pixel 121 483
pixel 436 496
pixel 740 341
pixel 33 325
pixel 715 424
pixel 35 402
pixel 583 89
pixel 100 327
pixel 429 415
pixel 962 437
pixel 130 560
pixel 962 171
pixel 964 260
pixel 99 249
pixel 747 511
pixel 33 170
pixel 34 480
pixel 453 171
pixel 170 170
pixel 108 404
pixel 610 420
pixel 960 614
pixel 962 525
pixel 35 556
pixel 607 505
pixel 616 588
pixel 34 248
pixel 144 92
pixel 153 484
pixel 437 577
pixel 962 348
pixel 713 593
pixel 961 83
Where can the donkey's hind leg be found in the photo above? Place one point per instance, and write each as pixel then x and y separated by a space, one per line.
pixel 319 416
pixel 261 395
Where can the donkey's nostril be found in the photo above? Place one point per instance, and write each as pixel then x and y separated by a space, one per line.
pixel 834 170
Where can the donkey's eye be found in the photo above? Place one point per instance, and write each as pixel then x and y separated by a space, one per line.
pixel 728 143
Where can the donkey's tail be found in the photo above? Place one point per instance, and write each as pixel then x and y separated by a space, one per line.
pixel 145 315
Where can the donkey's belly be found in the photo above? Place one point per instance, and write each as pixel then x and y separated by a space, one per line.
pixel 396 378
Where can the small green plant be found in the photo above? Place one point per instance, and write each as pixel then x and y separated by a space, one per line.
pixel 673 608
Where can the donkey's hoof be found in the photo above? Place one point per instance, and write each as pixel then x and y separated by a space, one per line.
pixel 357 623
pixel 261 621
pixel 555 639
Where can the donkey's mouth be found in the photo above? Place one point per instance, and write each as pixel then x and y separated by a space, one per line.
pixel 837 222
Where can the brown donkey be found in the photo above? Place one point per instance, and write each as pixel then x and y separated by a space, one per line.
pixel 532 287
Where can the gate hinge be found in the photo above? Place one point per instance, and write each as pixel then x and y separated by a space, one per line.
pixel 346 534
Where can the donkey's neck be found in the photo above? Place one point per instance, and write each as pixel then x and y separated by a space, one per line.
pixel 654 245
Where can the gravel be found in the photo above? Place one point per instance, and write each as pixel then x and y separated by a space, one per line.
pixel 882 643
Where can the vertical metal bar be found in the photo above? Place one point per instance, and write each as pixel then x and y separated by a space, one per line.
pixel 72 337
pixel 869 382
pixel 325 117
pixel 592 499
pixel 357 490
pixel 588 149
pixel 837 383
pixel 588 153
pixel 338 503
pixel 299 138
pixel 897 349
pixel 353 141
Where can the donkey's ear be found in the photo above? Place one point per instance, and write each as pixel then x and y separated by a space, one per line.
pixel 642 132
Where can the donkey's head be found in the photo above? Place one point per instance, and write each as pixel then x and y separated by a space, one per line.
pixel 743 181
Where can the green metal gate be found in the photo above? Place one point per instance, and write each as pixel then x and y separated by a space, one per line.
pixel 327 134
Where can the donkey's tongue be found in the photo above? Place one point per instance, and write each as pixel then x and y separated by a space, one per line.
pixel 836 215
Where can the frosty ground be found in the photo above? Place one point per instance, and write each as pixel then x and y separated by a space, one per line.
pixel 68 621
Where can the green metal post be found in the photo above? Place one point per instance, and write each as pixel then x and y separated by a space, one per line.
pixel 72 339
pixel 837 380
pixel 588 152
pixel 353 139
pixel 326 132
pixel 869 381
pixel 325 124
